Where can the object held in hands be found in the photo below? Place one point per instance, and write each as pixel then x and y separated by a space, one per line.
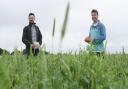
pixel 87 39
pixel 35 45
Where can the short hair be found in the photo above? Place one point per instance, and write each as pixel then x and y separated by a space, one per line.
pixel 94 11
pixel 31 14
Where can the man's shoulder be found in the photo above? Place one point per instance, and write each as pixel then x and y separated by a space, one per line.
pixel 101 24
pixel 36 26
pixel 26 27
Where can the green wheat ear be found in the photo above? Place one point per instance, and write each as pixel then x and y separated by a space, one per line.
pixel 63 30
pixel 54 26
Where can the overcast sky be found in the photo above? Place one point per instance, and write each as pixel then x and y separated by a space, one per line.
pixel 113 13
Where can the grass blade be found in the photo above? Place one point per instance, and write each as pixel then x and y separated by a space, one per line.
pixel 65 22
pixel 54 26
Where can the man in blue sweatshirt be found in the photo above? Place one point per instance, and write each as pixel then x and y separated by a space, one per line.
pixel 97 34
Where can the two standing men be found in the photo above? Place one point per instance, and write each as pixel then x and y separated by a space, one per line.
pixel 32 36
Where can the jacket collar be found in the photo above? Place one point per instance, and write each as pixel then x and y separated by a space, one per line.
pixel 32 24
pixel 96 24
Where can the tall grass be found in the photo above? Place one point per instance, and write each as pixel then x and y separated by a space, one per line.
pixel 76 71
pixel 63 30
pixel 54 26
pixel 53 33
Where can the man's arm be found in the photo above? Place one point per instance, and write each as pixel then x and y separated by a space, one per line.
pixel 40 36
pixel 102 36
pixel 24 37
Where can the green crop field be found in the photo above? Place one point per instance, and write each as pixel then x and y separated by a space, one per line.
pixel 64 71
pixel 83 70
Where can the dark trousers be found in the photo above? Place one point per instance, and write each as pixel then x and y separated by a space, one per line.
pixel 99 54
pixel 34 52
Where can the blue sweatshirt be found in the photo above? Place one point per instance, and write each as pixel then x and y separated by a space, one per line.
pixel 98 35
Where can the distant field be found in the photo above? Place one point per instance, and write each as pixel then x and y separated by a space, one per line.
pixel 64 71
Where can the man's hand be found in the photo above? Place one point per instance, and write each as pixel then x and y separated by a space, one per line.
pixel 35 45
pixel 88 39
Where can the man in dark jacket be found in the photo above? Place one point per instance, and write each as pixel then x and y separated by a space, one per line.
pixel 32 36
